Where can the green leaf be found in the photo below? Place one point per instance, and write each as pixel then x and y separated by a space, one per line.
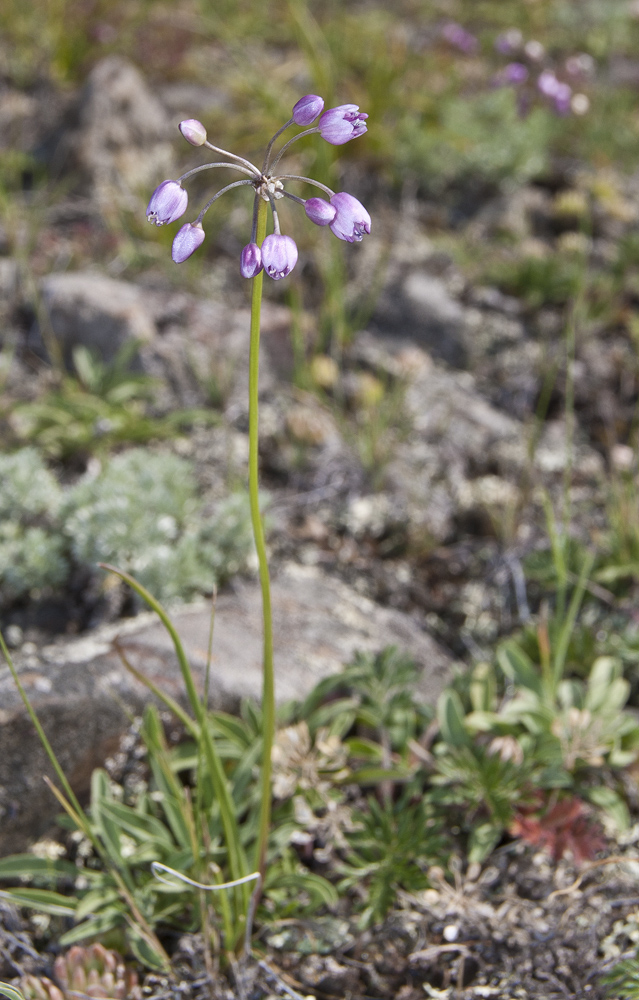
pixel 95 926
pixel 483 840
pixel 29 866
pixel 451 719
pixel 94 901
pixel 144 828
pixel 612 804
pixel 142 949
pixel 42 899
pixel 519 668
pixel 11 992
pixel 375 775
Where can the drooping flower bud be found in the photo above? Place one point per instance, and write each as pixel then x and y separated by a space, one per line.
pixel 279 255
pixel 187 240
pixel 307 109
pixel 250 260
pixel 351 221
pixel 193 131
pixel 320 211
pixel 339 125
pixel 168 202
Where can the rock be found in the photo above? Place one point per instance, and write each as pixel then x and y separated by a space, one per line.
pixel 418 306
pixel 78 686
pixel 124 140
pixel 97 312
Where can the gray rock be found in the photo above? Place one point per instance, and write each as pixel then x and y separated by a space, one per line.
pixel 419 306
pixel 124 141
pixel 98 312
pixel 79 687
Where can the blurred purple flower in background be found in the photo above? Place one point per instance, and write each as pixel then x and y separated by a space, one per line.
pixel 459 38
pixel 535 77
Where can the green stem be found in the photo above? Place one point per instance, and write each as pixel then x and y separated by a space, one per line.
pixel 268 689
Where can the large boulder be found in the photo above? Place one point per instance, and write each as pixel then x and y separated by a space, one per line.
pixel 80 689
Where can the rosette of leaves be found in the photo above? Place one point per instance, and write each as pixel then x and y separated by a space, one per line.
pixel 81 972
pixel 32 551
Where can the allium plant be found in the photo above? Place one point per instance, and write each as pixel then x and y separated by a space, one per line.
pixel 275 254
pixel 536 78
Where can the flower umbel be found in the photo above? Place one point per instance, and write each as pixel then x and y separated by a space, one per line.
pixel 346 216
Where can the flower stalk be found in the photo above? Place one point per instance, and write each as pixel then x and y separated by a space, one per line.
pixel 268 679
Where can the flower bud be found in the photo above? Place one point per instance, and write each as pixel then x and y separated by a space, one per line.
pixel 307 109
pixel 320 211
pixel 352 221
pixel 340 124
pixel 186 242
pixel 168 202
pixel 193 131
pixel 279 255
pixel 250 260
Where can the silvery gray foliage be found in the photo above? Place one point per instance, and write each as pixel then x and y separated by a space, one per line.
pixel 32 553
pixel 140 512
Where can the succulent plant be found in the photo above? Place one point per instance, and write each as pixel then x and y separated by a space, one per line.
pixel 85 972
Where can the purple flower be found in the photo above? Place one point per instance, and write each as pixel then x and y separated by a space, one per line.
pixel 193 131
pixel 460 38
pixel 279 255
pixel 340 124
pixel 512 75
pixel 250 260
pixel 168 202
pixel 307 109
pixel 320 211
pixel 547 84
pixel 352 220
pixel 187 240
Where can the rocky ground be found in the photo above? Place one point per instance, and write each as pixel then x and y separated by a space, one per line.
pixel 414 472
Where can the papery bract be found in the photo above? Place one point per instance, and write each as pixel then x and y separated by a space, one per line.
pixel 193 131
pixel 187 240
pixel 167 203
pixel 320 211
pixel 352 221
pixel 250 260
pixel 279 255
pixel 339 125
pixel 307 109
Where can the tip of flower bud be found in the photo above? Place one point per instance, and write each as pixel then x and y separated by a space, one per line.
pixel 168 202
pixel 307 109
pixel 187 240
pixel 320 211
pixel 279 255
pixel 339 125
pixel 193 131
pixel 250 260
